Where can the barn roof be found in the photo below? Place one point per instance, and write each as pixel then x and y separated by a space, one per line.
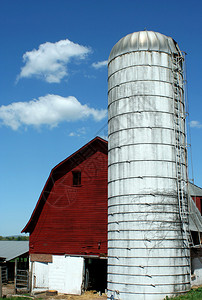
pixel 195 190
pixel 12 249
pixel 97 144
pixel 195 218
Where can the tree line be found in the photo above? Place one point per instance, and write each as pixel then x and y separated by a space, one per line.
pixel 14 238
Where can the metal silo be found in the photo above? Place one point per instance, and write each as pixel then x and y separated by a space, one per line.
pixel 148 237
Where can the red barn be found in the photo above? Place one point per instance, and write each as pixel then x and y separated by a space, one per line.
pixel 196 193
pixel 68 228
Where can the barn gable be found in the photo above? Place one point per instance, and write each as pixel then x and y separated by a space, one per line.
pixel 71 214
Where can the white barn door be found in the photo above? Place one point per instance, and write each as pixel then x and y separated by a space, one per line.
pixel 41 275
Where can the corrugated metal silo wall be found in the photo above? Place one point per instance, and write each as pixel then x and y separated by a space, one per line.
pixel 147 253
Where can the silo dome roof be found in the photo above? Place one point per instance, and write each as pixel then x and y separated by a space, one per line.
pixel 144 41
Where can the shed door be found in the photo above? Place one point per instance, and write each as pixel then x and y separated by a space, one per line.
pixel 41 275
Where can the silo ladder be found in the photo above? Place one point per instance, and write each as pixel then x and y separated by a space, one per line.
pixel 180 146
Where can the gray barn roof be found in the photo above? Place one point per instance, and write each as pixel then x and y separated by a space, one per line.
pixel 12 249
pixel 194 190
pixel 195 218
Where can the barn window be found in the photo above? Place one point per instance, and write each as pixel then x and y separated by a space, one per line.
pixel 76 177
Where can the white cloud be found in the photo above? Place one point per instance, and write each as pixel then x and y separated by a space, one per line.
pixel 72 134
pixel 50 61
pixel 78 132
pixel 195 124
pixel 100 64
pixel 47 110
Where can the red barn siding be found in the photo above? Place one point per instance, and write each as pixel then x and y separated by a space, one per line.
pixel 198 201
pixel 73 219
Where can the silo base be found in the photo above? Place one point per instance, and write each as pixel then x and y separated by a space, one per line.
pixel 137 296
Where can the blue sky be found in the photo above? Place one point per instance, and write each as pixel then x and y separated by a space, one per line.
pixel 53 84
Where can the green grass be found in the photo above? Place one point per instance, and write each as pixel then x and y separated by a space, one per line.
pixel 194 294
